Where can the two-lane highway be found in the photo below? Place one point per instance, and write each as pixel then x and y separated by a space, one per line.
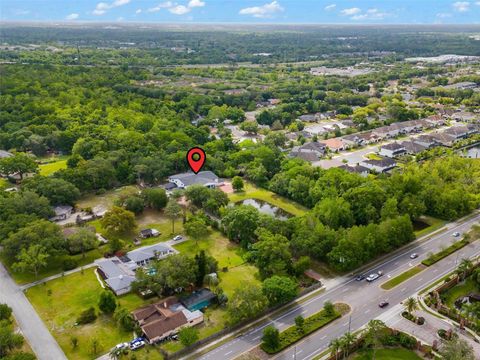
pixel 363 298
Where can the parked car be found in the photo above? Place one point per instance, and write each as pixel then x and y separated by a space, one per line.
pixel 120 346
pixel 137 344
pixel 383 304
pixel 178 238
pixel 456 234
pixel 414 256
pixel 360 277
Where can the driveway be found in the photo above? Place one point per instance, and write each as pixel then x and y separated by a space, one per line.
pixel 427 332
pixel 36 333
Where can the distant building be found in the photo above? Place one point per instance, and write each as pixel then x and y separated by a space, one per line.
pixel 62 212
pixel 335 144
pixel 413 148
pixel 379 166
pixel 311 151
pixel 204 178
pixel 464 85
pixel 392 150
pixel 357 169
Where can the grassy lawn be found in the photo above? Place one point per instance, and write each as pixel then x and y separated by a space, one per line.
pixel 386 354
pixel 59 303
pixel 390 284
pixel 373 156
pixel 3 183
pixel 228 255
pixel 433 225
pixel 54 266
pixel 253 192
pixel 107 199
pixel 459 290
pixel 51 167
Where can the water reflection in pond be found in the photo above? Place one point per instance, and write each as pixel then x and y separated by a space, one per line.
pixel 266 208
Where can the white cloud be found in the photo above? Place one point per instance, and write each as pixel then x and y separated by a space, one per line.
pixel 443 15
pixel 120 18
pixel 330 7
pixel 264 11
pixel 477 3
pixel 179 10
pixel 351 11
pixel 196 3
pixel 21 12
pixel 138 11
pixel 72 16
pixel 164 5
pixel 461 6
pixel 102 7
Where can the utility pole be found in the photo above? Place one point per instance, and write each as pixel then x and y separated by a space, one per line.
pixel 349 322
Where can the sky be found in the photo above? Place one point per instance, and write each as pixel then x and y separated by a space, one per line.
pixel 245 11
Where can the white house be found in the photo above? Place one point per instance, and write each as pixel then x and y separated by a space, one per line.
pixel 379 166
pixel 392 150
pixel 204 178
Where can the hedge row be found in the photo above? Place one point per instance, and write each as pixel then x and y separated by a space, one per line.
pixel 293 334
pixel 444 253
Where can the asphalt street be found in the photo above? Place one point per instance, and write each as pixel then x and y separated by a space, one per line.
pixel 363 298
pixel 42 342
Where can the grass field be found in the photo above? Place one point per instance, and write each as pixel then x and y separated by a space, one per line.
pixel 107 199
pixel 253 192
pixel 3 183
pixel 386 354
pixel 54 267
pixel 51 167
pixel 59 302
pixel 390 284
pixel 433 225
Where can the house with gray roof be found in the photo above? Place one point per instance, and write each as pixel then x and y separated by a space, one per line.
pixel 379 166
pixel 412 148
pixel 204 178
pixel 119 272
pixel 392 150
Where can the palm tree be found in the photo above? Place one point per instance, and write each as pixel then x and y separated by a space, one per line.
pixel 411 305
pixel 335 345
pixel 465 265
pixel 374 330
pixel 348 339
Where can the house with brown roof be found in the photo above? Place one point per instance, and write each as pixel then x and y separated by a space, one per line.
pixel 334 144
pixel 165 318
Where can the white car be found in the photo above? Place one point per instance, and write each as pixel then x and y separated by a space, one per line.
pixel 178 238
pixel 372 277
pixel 456 234
pixel 137 345
pixel 414 256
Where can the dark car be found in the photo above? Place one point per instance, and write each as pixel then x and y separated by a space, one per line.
pixel 360 277
pixel 383 304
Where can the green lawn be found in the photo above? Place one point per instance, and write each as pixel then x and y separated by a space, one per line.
pixel 107 199
pixel 433 225
pixel 390 284
pixel 253 192
pixel 386 354
pixel 51 167
pixel 54 266
pixel 228 255
pixel 434 258
pixel 459 290
pixel 60 301
pixel 3 183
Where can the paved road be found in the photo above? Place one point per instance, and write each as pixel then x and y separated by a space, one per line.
pixel 362 297
pixel 42 342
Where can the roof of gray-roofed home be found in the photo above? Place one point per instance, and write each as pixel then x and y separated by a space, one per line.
pixel 120 282
pixel 392 146
pixel 202 178
pixel 413 147
pixel 113 267
pixel 5 154
pixel 384 162
pixel 148 252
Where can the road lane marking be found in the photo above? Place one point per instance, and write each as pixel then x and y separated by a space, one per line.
pixel 228 353
pixel 367 311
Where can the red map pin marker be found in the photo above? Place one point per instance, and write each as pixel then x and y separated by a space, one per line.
pixel 196 158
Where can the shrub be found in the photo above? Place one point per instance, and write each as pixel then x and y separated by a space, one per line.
pixel 420 320
pixel 69 264
pixel 88 316
pixel 124 319
pixel 107 302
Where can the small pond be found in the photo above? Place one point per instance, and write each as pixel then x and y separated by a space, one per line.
pixel 266 208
